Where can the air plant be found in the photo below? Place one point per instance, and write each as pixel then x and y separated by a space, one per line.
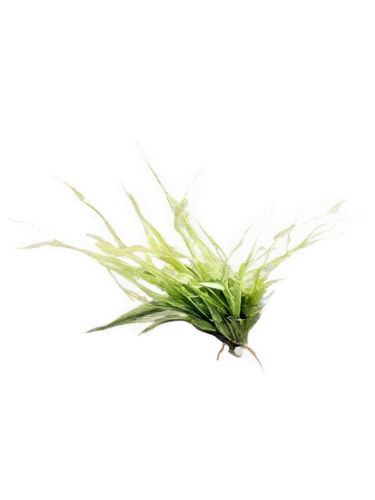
pixel 197 285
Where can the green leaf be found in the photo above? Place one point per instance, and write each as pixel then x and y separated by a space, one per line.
pixel 198 307
pixel 130 293
pixel 142 312
pixel 216 286
pixel 238 328
pixel 217 318
pixel 202 324
pixel 177 305
pixel 211 300
pixel 176 264
pixel 167 319
pixel 225 272
pixel 230 298
pixel 237 293
pixel 220 323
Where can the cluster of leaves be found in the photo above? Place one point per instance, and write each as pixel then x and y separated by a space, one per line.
pixel 178 268
pixel 194 287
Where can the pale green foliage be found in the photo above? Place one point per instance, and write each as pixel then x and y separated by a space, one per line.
pixel 198 286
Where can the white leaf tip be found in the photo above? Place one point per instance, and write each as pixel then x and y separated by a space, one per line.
pixel 15 220
pixel 120 184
